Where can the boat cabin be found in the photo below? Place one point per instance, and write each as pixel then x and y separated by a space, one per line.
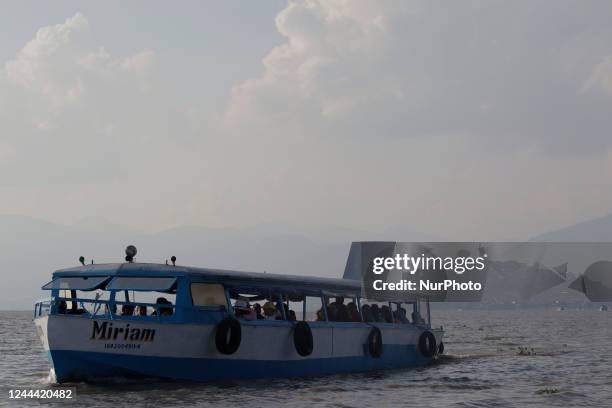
pixel 177 294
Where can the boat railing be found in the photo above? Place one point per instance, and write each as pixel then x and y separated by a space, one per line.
pixel 42 307
pixel 110 312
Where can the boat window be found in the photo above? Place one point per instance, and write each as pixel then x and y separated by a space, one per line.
pixel 92 302
pixel 296 310
pixel 257 304
pixel 421 314
pixel 314 309
pixel 401 312
pixel 124 304
pixel 76 282
pixel 292 305
pixel 142 303
pixel 342 309
pixel 249 307
pixel 353 309
pixel 373 311
pixel 208 294
pixel 160 284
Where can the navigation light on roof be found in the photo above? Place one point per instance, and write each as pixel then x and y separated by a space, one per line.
pixel 130 253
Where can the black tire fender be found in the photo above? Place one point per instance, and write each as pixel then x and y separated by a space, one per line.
pixel 302 339
pixel 427 344
pixel 375 343
pixel 228 335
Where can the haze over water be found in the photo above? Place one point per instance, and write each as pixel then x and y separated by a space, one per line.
pixel 569 365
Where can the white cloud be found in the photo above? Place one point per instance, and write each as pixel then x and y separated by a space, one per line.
pixel 306 72
pixel 601 78
pixel 139 62
pixel 59 96
pixel 58 64
pixel 368 115
pixel 405 69
pixel 41 64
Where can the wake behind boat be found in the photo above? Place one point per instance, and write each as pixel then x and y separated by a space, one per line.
pixel 155 320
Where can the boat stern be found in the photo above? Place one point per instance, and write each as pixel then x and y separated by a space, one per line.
pixel 42 330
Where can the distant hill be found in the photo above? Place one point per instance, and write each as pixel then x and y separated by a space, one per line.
pixel 31 249
pixel 596 230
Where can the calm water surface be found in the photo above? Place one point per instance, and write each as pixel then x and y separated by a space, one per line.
pixel 570 365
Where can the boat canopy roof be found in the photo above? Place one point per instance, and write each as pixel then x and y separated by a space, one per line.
pixel 239 280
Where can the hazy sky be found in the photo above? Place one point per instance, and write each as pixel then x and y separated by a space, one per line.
pixel 468 120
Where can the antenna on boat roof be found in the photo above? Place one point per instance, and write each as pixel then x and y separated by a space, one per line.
pixel 82 260
pixel 130 253
pixel 173 259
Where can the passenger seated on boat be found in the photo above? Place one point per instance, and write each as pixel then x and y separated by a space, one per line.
pixel 386 314
pixel 331 312
pixel 270 312
pixel 380 317
pixel 163 309
pixel 376 316
pixel 367 313
pixel 341 313
pixel 292 316
pixel 127 310
pixel 320 315
pixel 353 312
pixel 280 308
pixel 242 310
pixel 257 308
pixel 142 310
pixel 63 308
pixel 400 316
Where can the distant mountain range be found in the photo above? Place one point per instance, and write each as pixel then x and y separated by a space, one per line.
pixel 596 230
pixel 31 249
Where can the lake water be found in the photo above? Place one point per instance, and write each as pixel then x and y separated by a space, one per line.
pixel 494 359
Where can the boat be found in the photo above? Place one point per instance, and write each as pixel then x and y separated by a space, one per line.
pixel 187 323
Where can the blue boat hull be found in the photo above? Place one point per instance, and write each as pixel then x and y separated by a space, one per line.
pixel 78 366
pixel 81 348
